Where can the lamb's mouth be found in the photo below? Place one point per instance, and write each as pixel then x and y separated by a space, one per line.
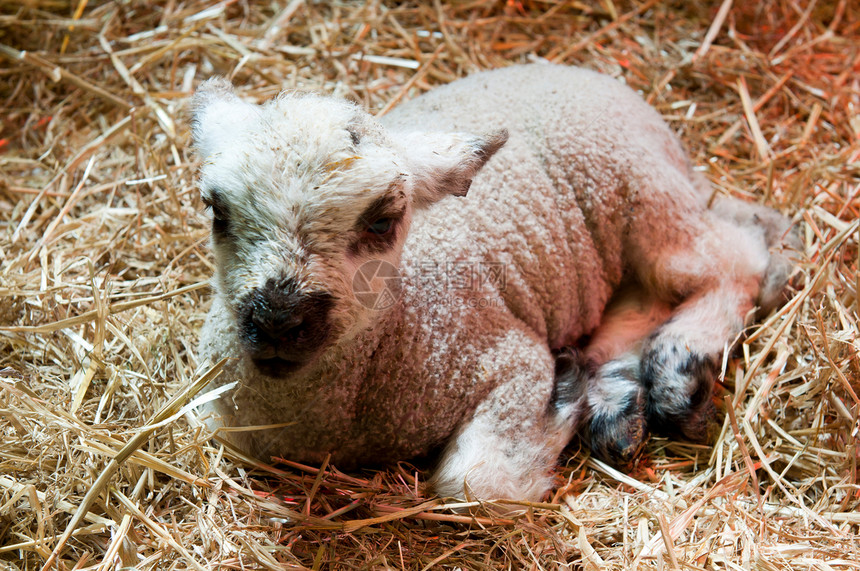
pixel 280 362
pixel 277 367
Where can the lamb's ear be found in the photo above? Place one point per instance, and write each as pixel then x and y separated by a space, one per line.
pixel 217 114
pixel 446 163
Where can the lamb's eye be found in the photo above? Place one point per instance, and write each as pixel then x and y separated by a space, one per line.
pixel 381 227
pixel 377 228
pixel 220 212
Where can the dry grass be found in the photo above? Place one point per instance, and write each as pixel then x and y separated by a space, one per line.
pixel 103 266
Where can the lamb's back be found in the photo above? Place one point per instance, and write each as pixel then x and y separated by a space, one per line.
pixel 552 205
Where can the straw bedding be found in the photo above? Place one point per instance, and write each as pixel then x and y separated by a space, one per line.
pixel 104 266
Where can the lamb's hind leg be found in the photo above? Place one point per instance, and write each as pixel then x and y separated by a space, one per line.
pixel 681 360
pixel 720 274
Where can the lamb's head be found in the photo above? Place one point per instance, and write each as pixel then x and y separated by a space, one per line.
pixel 303 191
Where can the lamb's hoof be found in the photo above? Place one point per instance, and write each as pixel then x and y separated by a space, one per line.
pixel 699 424
pixel 680 388
pixel 571 377
pixel 620 438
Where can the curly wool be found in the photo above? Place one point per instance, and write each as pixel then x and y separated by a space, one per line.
pixel 591 189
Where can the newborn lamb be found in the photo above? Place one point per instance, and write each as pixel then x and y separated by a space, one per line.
pixel 389 288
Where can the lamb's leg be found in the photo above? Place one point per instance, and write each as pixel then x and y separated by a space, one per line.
pixel 486 464
pixel 782 240
pixel 508 447
pixel 617 427
pixel 615 397
pixel 720 273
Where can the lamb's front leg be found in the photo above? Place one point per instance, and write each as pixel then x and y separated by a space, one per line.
pixel 617 425
pixel 681 359
pixel 729 268
pixel 508 447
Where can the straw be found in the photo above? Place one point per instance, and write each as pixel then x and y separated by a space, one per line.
pixel 104 274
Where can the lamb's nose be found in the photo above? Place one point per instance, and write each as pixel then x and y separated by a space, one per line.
pixel 280 324
pixel 283 321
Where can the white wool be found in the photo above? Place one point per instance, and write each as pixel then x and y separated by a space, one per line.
pixel 590 190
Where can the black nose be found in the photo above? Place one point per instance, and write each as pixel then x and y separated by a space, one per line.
pixel 279 323
pixel 286 323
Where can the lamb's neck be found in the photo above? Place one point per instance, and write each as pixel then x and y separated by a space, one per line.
pixel 350 361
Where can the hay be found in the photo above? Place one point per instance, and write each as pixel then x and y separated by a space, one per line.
pixel 103 269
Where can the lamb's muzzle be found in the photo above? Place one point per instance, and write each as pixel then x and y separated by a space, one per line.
pixel 564 178
pixel 283 327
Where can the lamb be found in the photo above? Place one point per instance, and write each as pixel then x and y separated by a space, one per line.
pixel 397 287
